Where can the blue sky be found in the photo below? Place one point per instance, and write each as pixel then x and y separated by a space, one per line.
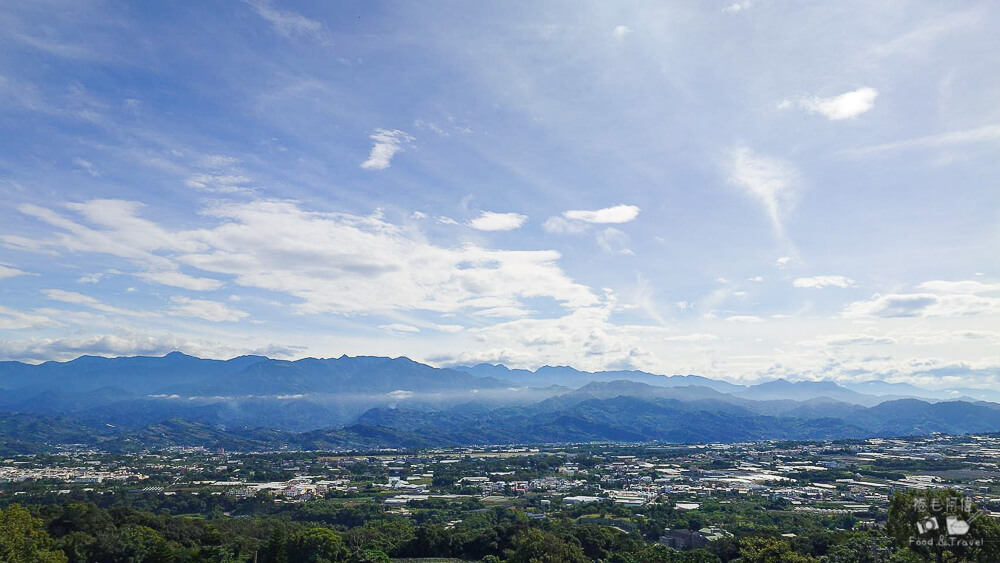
pixel 742 190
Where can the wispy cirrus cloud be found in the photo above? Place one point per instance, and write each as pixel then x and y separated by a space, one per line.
pixel 984 134
pixel 387 144
pixel 819 282
pixel 580 221
pixel 10 271
pixel 961 286
pixel 919 39
pixel 620 31
pixel 205 309
pixel 744 319
pixel 330 262
pixel 771 181
pixel 76 298
pixel 835 108
pixel 693 337
pixel 563 226
pixel 11 319
pixel 614 240
pixel 399 328
pixel 290 24
pixel 938 299
pixel 735 7
pixel 493 221
pixel 620 213
pixel 130 342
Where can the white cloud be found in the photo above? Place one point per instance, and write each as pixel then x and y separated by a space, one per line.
pixel 175 278
pixel 842 340
pixel 620 31
pixel 561 226
pixel 220 183
pixel 737 7
pixel 943 299
pixel 923 305
pixel 75 298
pixel 756 279
pixel 330 262
pixel 387 144
pixel 90 278
pixel 129 342
pixel 744 319
pixel 492 221
pixel 118 231
pixel 965 286
pixel 769 180
pixel 19 320
pixel 509 312
pixel 290 24
pixel 87 167
pixel 615 214
pixel 845 106
pixel 217 161
pixel 919 39
pixel 212 311
pixel 9 272
pixel 613 240
pixel 399 328
pixel 584 338
pixel 818 282
pixel 984 134
pixel 783 261
pixel 694 337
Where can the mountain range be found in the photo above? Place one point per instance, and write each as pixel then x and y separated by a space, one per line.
pixel 254 402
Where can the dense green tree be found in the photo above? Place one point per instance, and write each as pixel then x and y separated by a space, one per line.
pixel 906 555
pixel 77 546
pixel 316 545
pixel 918 521
pixel 23 538
pixel 537 546
pixel 82 517
pixel 661 554
pixel 141 544
pixel 370 556
pixel 769 550
pixel 859 549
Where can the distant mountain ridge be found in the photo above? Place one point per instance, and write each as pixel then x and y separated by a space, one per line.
pixel 257 402
pixel 571 377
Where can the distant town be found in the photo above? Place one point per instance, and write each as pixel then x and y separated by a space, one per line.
pixel 704 500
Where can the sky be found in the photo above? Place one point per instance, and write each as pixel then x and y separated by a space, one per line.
pixel 742 190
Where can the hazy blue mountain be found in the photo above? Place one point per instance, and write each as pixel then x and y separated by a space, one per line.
pixel 293 395
pixel 569 377
pixel 256 402
pixel 618 419
pixel 969 393
pixel 137 374
pixel 782 389
pixel 626 388
pixel 882 388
